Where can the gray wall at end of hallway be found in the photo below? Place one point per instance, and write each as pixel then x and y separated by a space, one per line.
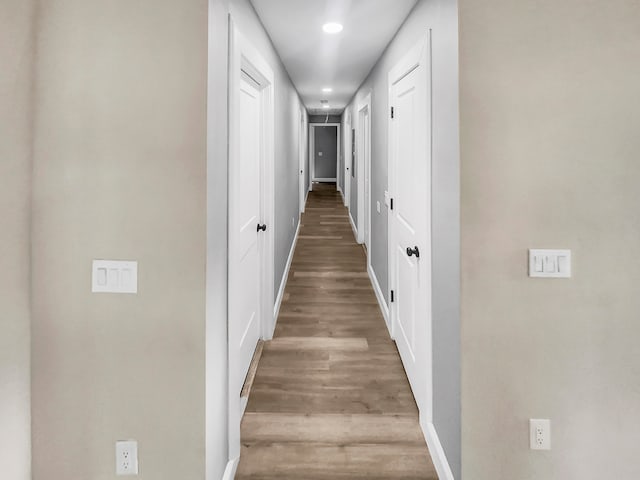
pixel 441 16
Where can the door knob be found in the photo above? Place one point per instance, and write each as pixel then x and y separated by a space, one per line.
pixel 262 227
pixel 413 251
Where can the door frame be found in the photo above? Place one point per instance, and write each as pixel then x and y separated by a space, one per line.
pixel 302 148
pixel 364 171
pixel 419 54
pixel 244 57
pixel 312 158
pixel 348 159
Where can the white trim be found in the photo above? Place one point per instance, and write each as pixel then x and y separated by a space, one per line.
pixel 364 166
pixel 324 179
pixel 436 451
pixel 353 226
pixel 312 146
pixel 302 163
pixel 347 160
pixel 384 308
pixel 230 471
pixel 283 281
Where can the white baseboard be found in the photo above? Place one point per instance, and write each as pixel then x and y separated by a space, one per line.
pixel 230 471
pixel 353 227
pixel 325 179
pixel 380 296
pixel 437 452
pixel 285 276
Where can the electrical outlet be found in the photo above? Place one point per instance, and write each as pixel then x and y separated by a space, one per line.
pixel 293 221
pixel 540 434
pixel 127 457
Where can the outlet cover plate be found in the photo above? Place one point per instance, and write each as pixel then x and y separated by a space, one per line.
pixel 126 457
pixel 539 434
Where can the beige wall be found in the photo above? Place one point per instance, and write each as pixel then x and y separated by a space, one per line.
pixel 16 54
pixel 120 173
pixel 550 122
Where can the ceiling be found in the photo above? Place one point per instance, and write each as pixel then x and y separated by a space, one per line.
pixel 341 61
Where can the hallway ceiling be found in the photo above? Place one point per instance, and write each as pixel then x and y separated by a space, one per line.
pixel 341 61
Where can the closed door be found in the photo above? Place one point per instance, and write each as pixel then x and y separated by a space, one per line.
pixel 410 226
pixel 245 272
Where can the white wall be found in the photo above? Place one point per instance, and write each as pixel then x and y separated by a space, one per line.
pixel 442 17
pixel 550 139
pixel 17 55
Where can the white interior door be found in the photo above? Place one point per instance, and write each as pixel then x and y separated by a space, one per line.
pixel 410 225
pixel 245 304
pixel 301 153
pixel 366 133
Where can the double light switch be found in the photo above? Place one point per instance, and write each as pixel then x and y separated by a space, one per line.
pixel 550 263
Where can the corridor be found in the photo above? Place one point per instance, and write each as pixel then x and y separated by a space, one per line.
pixel 330 399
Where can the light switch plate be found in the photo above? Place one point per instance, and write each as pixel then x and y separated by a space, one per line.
pixel 378 206
pixel 387 198
pixel 113 276
pixel 550 263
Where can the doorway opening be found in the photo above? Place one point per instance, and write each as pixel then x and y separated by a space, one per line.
pixel 364 179
pixel 324 151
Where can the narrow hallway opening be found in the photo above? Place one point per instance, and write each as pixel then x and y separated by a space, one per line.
pixel 330 398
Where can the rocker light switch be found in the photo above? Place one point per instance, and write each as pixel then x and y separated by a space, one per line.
pixel 550 263
pixel 110 276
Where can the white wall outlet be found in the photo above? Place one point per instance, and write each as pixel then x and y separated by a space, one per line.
pixel 378 206
pixel 127 457
pixel 111 276
pixel 539 434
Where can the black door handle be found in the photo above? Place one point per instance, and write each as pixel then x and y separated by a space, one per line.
pixel 262 227
pixel 413 251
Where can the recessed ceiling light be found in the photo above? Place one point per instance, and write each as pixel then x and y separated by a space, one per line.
pixel 332 27
pixel 327 89
pixel 326 106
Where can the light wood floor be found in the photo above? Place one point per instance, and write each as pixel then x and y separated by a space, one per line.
pixel 330 399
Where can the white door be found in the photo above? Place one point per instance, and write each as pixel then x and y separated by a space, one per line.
pixel 245 273
pixel 301 153
pixel 410 226
pixel 366 140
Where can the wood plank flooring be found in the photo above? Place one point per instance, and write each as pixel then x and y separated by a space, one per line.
pixel 330 399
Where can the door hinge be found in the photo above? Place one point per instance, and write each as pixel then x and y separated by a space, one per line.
pixel 392 296
pixel 391 204
pixel 392 112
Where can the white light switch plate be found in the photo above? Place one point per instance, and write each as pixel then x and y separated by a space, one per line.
pixel 111 276
pixel 550 263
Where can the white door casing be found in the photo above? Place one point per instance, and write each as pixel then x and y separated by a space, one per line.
pixel 363 148
pixel 410 218
pixel 312 153
pixel 347 160
pixel 251 202
pixel 302 166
